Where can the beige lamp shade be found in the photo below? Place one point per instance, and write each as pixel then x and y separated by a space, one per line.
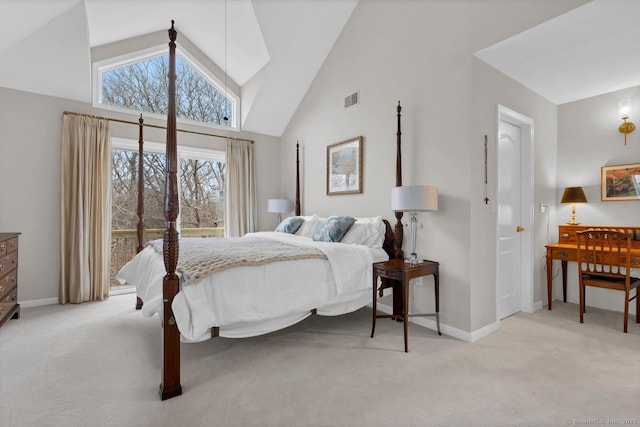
pixel 414 198
pixel 279 205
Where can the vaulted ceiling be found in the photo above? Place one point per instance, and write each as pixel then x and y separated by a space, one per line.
pixel 273 49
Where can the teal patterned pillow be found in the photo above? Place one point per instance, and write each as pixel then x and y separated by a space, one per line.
pixel 290 225
pixel 333 228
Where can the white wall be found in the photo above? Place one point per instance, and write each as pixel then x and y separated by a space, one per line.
pixel 30 140
pixel 421 53
pixel 589 139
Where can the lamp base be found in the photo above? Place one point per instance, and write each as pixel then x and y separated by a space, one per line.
pixel 573 222
pixel 414 260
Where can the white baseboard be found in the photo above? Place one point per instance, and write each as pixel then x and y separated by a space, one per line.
pixel 484 331
pixel 38 302
pixel 446 329
pixel 537 306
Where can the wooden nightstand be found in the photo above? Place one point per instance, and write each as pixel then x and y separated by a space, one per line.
pixel 397 270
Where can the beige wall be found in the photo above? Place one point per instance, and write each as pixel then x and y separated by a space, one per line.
pixel 421 53
pixel 30 129
pixel 589 139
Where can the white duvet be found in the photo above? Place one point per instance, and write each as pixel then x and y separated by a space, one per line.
pixel 253 300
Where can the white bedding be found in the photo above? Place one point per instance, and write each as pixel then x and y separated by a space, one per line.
pixel 253 300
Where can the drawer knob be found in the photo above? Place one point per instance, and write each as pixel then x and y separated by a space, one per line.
pixel 635 261
pixel 1 288
pixel 563 254
pixel 3 247
pixel 1 267
pixel 13 244
pixel 565 235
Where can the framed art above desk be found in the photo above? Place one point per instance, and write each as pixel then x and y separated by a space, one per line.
pixel 566 249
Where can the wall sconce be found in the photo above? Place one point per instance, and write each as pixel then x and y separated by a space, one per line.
pixel 573 195
pixel 279 206
pixel 414 199
pixel 624 112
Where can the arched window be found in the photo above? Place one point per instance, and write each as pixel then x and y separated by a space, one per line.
pixel 140 84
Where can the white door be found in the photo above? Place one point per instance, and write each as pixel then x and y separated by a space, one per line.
pixel 509 207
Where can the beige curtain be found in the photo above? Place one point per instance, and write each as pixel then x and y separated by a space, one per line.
pixel 240 189
pixel 85 184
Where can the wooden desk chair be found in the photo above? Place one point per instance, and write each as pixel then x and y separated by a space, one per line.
pixel 604 261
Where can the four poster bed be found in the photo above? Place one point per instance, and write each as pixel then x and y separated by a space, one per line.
pixel 250 299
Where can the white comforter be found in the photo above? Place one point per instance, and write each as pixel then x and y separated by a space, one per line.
pixel 253 300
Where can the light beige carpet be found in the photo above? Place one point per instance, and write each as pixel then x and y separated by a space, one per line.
pixel 97 364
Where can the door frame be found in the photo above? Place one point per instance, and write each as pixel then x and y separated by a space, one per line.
pixel 526 206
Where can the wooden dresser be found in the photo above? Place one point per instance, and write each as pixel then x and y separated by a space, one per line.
pixel 9 307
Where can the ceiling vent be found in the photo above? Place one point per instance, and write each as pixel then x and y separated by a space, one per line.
pixel 352 100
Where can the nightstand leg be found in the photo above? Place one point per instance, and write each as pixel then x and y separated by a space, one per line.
pixel 436 285
pixel 405 314
pixel 374 304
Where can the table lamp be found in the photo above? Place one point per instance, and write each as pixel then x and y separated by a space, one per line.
pixel 413 199
pixel 279 206
pixel 573 195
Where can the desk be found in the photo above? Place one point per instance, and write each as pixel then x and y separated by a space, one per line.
pixel 401 273
pixel 567 250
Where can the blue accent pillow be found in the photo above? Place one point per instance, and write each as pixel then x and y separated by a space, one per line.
pixel 290 225
pixel 333 228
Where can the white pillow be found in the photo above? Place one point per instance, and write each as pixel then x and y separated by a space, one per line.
pixel 366 231
pixel 309 226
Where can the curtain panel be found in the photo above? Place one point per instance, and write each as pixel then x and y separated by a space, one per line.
pixel 240 183
pixel 85 185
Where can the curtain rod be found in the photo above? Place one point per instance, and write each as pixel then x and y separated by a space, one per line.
pixel 71 113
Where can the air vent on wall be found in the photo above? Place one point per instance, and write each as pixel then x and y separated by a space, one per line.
pixel 351 100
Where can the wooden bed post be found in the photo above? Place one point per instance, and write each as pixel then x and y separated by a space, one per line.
pixel 140 227
pixel 140 212
pixel 297 205
pixel 170 385
pixel 399 231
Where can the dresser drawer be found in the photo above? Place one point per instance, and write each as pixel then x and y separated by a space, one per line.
pixel 8 263
pixel 12 245
pixel 7 283
pixel 8 304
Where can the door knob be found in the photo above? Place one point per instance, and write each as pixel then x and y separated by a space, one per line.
pixel 519 229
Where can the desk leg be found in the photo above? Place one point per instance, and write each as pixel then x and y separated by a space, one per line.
pixel 549 277
pixel 564 281
pixel 436 284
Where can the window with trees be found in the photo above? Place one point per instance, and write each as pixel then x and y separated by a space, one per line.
pixel 141 85
pixel 201 186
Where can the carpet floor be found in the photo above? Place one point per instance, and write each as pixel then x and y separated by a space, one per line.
pixel 98 364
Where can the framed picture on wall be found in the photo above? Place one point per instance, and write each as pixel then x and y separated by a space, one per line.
pixel 620 182
pixel 344 167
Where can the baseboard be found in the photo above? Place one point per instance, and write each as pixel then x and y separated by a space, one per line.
pixel 537 306
pixel 485 331
pixel 38 302
pixel 446 329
